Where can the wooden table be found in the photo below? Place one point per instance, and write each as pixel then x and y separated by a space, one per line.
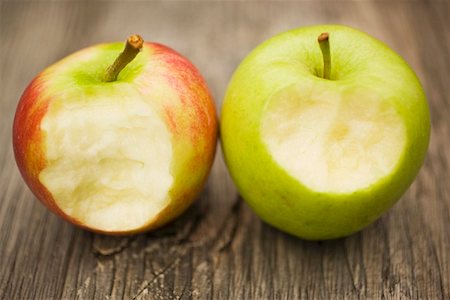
pixel 219 249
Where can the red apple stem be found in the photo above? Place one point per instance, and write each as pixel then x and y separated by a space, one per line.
pixel 133 46
pixel 324 44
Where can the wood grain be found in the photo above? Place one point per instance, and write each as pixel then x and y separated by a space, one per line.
pixel 219 249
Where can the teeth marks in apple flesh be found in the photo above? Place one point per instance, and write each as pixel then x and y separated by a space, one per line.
pixel 114 174
pixel 341 143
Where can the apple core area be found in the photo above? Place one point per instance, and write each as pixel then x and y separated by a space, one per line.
pixel 334 142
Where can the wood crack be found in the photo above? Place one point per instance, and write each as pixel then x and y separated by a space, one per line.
pixel 67 262
pixel 352 276
pixel 220 243
pixel 163 272
pixel 235 224
pixel 113 245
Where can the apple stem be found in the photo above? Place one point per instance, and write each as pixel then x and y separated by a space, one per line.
pixel 324 44
pixel 132 47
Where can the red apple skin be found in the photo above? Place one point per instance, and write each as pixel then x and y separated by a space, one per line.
pixel 193 119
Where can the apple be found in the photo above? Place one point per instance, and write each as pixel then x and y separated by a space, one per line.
pixel 119 149
pixel 323 129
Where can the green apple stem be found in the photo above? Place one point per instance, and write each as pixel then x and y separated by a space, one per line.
pixel 132 47
pixel 324 44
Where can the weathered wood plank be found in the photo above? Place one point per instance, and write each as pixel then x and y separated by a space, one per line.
pixel 219 249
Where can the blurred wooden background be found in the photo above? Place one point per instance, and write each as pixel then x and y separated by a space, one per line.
pixel 219 249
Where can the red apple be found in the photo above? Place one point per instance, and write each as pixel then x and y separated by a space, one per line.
pixel 117 150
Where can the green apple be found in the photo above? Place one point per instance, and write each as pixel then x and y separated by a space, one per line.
pixel 117 145
pixel 323 129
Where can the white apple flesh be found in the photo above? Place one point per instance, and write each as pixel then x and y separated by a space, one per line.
pixel 340 143
pixel 107 170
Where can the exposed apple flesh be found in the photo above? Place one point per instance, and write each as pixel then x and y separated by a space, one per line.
pixel 122 154
pixel 108 159
pixel 340 142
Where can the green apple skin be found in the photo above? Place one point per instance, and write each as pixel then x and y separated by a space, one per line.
pixel 358 61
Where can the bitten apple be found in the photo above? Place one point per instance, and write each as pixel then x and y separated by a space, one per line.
pixel 117 143
pixel 323 130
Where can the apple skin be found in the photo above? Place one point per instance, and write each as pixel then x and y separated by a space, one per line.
pixel 292 57
pixel 192 122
